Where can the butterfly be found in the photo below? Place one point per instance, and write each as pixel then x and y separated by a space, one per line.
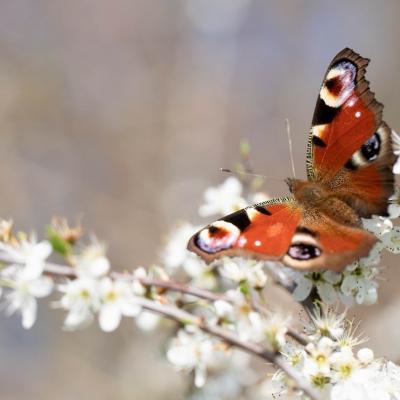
pixel 349 162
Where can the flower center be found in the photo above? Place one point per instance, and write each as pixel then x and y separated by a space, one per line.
pixel 320 359
pixel 84 293
pixel 319 380
pixel 111 296
pixel 345 370
pixel 295 358
pixel 357 271
pixel 316 277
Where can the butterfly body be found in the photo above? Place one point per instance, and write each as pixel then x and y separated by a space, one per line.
pixel 315 198
pixel 349 170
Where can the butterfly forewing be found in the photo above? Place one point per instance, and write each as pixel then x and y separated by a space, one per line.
pixel 346 116
pixel 263 231
pixel 350 147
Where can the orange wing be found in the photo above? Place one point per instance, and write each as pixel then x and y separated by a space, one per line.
pixel 322 243
pixel 366 181
pixel 350 147
pixel 283 230
pixel 346 116
pixel 263 231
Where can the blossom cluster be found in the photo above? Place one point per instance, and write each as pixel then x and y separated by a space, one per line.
pixel 331 364
pixel 356 284
pixel 220 306
pixel 28 276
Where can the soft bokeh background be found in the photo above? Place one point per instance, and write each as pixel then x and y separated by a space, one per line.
pixel 123 111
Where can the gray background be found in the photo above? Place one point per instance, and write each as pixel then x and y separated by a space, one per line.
pixel 123 111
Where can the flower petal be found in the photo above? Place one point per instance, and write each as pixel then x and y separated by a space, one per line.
pixel 41 287
pixel 28 312
pixel 302 289
pixel 109 317
pixel 327 292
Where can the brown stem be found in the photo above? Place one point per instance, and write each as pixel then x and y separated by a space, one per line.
pixel 184 317
pixel 176 286
pixel 55 269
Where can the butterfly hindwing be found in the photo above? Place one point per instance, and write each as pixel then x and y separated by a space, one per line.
pixel 321 243
pixel 366 181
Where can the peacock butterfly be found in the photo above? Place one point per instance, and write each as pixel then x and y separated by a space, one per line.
pixel 349 170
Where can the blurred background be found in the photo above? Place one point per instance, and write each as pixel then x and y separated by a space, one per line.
pixel 124 111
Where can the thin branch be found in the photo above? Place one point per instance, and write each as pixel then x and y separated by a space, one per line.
pixel 176 286
pixel 294 334
pixel 282 279
pixel 184 317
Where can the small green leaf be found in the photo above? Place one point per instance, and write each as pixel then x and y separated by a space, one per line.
pixel 244 288
pixel 59 244
pixel 244 148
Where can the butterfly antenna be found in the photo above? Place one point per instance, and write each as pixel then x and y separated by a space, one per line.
pixel 290 146
pixel 240 174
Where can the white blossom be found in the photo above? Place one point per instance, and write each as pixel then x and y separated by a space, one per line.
pixel 350 338
pixel 323 281
pixel 330 365
pixel 175 255
pixel 391 379
pixel 379 226
pixel 294 354
pixel 175 252
pixel 344 364
pixel 365 355
pixel 394 203
pixel 358 282
pixel 396 151
pixel 147 321
pixel 363 384
pixel 232 376
pixel 319 361
pixel 224 310
pixel 201 273
pixel 326 322
pixel 272 328
pixel 391 240
pixel 275 387
pixel 137 288
pixel 24 279
pixel 116 300
pixel 236 314
pixel 223 199
pixel 80 299
pixel 193 351
pixel 24 289
pixel 92 262
pixel 29 254
pixel 241 270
